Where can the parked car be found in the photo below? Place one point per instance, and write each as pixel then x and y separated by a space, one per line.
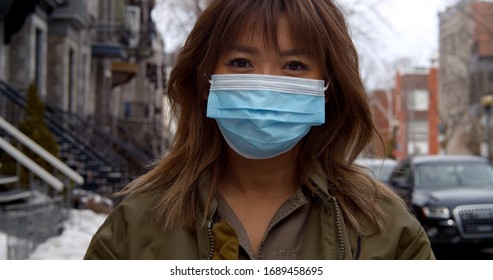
pixel 379 168
pixel 451 196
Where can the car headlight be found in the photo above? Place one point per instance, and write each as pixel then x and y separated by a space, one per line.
pixel 436 212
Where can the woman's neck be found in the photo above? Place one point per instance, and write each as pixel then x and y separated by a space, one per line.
pixel 266 178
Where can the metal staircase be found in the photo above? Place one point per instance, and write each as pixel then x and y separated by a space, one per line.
pixel 106 162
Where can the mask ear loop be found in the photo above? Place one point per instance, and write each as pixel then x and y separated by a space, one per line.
pixel 326 96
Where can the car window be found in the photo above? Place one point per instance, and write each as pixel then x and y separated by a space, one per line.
pixel 380 169
pixel 382 172
pixel 454 174
pixel 402 173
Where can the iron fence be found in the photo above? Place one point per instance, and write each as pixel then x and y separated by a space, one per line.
pixel 29 224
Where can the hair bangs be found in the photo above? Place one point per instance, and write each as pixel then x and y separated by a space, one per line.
pixel 306 30
pixel 263 16
pixel 248 17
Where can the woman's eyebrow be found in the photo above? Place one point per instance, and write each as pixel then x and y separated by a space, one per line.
pixel 253 50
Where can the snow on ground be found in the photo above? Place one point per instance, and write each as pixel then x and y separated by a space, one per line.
pixel 3 246
pixel 71 244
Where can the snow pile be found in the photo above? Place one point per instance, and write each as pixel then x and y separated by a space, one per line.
pixel 71 244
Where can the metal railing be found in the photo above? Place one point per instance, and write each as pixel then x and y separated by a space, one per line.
pixel 27 142
pixel 35 218
pixel 29 224
pixel 106 162
pixel 31 165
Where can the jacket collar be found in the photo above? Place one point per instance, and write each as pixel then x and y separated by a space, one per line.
pixel 324 234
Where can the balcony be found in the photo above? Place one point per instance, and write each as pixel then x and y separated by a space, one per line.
pixel 123 72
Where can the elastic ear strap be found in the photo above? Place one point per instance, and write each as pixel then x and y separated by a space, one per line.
pixel 327 86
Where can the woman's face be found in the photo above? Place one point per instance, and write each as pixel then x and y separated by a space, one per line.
pixel 250 55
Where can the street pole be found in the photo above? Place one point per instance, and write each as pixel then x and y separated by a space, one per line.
pixel 488 131
pixel 487 102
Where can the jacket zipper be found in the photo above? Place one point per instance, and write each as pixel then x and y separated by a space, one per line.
pixel 211 239
pixel 339 235
pixel 338 226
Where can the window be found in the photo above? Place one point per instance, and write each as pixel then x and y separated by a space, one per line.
pixel 418 100
pixel 419 129
pixel 127 110
pixel 402 174
pixel 418 138
pixel 453 175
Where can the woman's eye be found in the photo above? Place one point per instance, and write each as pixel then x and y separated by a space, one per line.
pixel 296 66
pixel 240 63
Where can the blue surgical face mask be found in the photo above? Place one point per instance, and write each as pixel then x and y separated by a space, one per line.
pixel 262 116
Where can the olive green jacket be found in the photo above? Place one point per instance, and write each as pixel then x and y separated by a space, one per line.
pixel 129 233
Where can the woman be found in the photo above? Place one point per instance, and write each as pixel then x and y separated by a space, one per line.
pixel 271 114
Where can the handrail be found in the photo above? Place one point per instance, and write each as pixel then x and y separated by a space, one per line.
pixel 53 122
pixel 33 146
pixel 31 165
pixel 129 148
pixel 101 146
pixel 8 180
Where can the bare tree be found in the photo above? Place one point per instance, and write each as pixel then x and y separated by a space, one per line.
pixel 175 19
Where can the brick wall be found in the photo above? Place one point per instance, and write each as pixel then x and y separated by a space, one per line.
pixel 406 84
pixel 483 33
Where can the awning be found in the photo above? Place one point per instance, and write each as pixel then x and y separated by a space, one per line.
pixel 109 50
pixel 123 72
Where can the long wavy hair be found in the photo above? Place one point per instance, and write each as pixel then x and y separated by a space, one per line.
pixel 197 155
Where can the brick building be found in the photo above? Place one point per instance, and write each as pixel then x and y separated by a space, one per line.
pixel 415 111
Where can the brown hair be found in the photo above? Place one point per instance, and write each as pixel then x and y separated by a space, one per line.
pixel 197 152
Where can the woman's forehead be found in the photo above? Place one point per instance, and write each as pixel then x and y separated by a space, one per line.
pixel 276 34
pixel 304 33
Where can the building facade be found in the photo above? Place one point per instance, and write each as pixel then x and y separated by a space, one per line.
pixel 416 113
pixel 466 72
pixel 99 59
pixel 24 44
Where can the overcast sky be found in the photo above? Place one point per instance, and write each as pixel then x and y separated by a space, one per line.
pixel 413 27
pixel 394 30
